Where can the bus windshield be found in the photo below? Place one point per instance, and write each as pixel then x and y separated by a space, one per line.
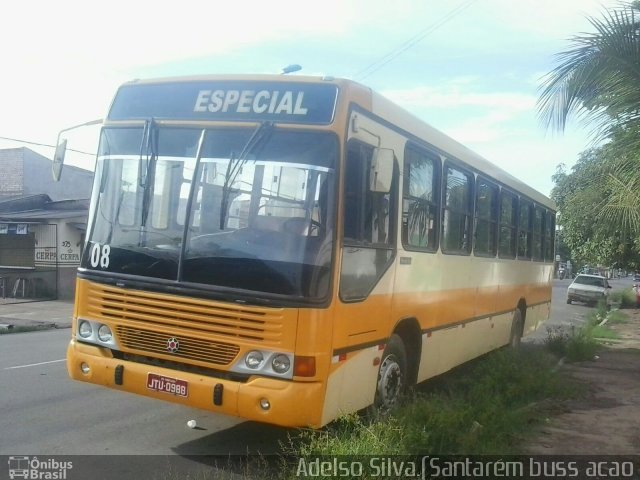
pixel 250 212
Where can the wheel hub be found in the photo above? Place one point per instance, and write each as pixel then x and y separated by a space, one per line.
pixel 389 382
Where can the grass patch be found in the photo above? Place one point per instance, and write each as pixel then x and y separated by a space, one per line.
pixel 604 333
pixel 617 317
pixel 581 344
pixel 351 434
pixel 624 298
pixel 575 345
pixel 480 408
pixel 597 323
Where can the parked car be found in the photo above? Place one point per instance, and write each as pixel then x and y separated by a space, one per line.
pixel 590 289
pixel 636 277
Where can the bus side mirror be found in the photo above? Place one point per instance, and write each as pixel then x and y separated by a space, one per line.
pixel 381 170
pixel 58 160
pixel 61 149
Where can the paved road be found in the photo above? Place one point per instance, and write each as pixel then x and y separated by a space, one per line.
pixel 562 315
pixel 44 412
pixel 566 316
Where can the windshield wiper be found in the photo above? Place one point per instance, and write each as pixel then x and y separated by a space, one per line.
pixel 235 166
pixel 147 181
pixel 190 200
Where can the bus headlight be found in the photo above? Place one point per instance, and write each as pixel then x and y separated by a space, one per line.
pixel 95 333
pixel 253 359
pixel 84 329
pixel 265 362
pixel 104 333
pixel 281 363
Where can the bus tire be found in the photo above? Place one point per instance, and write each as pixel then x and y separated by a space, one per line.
pixel 392 375
pixel 517 327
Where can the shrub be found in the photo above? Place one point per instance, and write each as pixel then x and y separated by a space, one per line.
pixel 624 298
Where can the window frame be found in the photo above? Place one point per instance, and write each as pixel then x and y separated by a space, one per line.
pixel 512 226
pixel 435 204
pixel 467 172
pixel 359 243
pixel 528 230
pixel 492 220
pixel 538 256
pixel 549 237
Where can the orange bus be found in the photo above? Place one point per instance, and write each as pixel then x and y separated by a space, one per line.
pixel 290 249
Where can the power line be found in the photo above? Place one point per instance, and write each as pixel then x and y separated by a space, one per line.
pixel 378 64
pixel 44 145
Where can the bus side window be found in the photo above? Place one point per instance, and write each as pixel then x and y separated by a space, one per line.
pixel 508 224
pixel 538 232
pixel 457 211
pixel 524 229
pixel 366 213
pixel 353 192
pixel 486 233
pixel 549 235
pixel 420 200
pixel 367 227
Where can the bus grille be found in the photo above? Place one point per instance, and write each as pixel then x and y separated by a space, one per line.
pixel 188 347
pixel 208 331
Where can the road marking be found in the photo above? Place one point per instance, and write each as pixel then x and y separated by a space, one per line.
pixel 35 364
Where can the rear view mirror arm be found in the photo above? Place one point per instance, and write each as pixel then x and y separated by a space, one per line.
pixel 61 149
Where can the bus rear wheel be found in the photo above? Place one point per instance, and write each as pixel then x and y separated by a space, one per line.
pixel 517 327
pixel 392 375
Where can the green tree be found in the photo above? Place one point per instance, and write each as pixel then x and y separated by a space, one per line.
pixel 598 79
pixel 583 196
pixel 599 76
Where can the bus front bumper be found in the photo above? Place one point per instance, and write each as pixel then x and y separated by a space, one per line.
pixel 291 404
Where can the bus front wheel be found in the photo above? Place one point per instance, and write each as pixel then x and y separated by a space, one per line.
pixel 392 376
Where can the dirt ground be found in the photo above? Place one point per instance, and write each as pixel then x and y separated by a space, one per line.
pixel 606 420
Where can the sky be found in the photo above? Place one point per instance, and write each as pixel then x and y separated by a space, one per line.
pixel 470 68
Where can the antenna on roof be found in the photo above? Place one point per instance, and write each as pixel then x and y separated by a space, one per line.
pixel 291 68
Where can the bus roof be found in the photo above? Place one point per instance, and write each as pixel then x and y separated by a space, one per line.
pixel 325 92
pixel 405 120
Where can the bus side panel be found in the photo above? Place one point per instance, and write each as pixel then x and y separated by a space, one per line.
pixel 465 304
pixel 536 316
pixel 436 352
pixel 314 340
pixel 447 348
pixel 362 322
pixel 351 385
pixel 484 335
pixel 360 331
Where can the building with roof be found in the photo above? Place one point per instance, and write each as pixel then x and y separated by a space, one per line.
pixel 25 172
pixel 42 226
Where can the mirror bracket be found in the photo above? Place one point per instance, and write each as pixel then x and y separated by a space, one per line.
pixel 61 149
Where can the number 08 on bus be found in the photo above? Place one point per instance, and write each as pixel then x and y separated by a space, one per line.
pixel 291 249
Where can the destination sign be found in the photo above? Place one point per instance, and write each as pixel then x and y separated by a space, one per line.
pixel 243 100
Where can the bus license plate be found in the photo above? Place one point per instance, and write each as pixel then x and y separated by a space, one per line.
pixel 173 386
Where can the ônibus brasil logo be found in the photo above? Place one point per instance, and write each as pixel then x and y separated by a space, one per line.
pixel 34 468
